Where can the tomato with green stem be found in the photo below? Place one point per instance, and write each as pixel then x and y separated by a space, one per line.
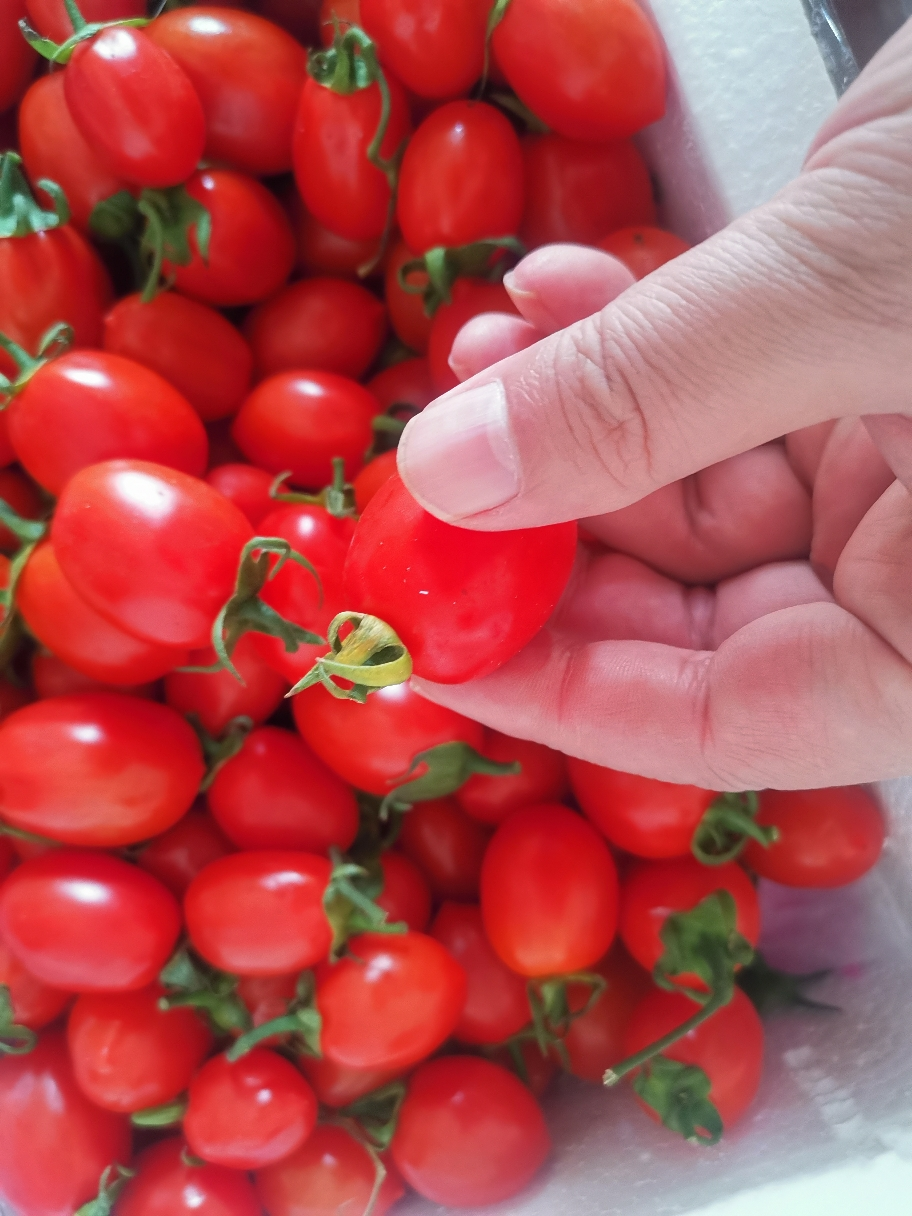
pixel 409 321
pixel 20 493
pixel 33 1003
pixel 246 486
pixel 643 250
pixel 436 49
pixel 406 895
pixel 51 19
pixel 337 1086
pixel 470 298
pixel 164 1184
pixel 177 856
pixel 542 778
pixel 595 1040
pixel 446 845
pixel 216 698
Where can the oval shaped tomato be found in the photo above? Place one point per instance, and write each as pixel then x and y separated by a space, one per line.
pixel 435 47
pixel 462 602
pixel 446 845
pixel 374 474
pixel 177 856
pixel 337 1086
pixel 325 324
pixel 153 550
pixel 17 59
pixel 596 1039
pixel 128 1054
pixel 549 892
pixel 827 837
pixel 165 1185
pixel 20 493
pixel 35 1004
pixel 246 486
pixel 248 74
pixel 406 895
pixel 260 913
pixel 591 71
pixel 542 778
pixel 218 697
pixel 471 298
pixel 410 323
pixel 321 251
pixel 88 922
pixel 391 1001
pixel 643 250
pixel 56 1143
pixel 50 18
pixel 469 1133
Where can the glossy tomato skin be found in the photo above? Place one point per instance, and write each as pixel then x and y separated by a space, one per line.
pixel 654 890
pixel 17 59
pixel 644 249
pixel 446 845
pixel 436 49
pixel 406 895
pixel 248 1114
pixel 321 251
pixel 374 474
pixel 260 913
pixel 177 856
pixel 390 1002
pixel 462 602
pixel 56 1144
pixel 324 323
pixel 590 71
pixel 372 746
pixel 337 1086
pixel 49 17
pixel 88 922
pixel 406 309
pixel 128 1054
pixel 497 1005
pixel 542 778
pixel 827 837
pixel 133 103
pixel 595 1040
pixel 191 345
pixel 339 185
pixel 276 794
pixel 655 819
pixel 152 549
pixel 19 492
pixel 246 486
pixel 248 74
pixel 728 1046
pixel 461 178
pixel 579 192
pixel 164 1185
pixel 99 770
pixel 471 298
pixel 469 1133
pixel 549 893
pixel 218 697
pixel 35 1004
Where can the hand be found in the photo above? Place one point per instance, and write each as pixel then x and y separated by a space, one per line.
pixel 787 674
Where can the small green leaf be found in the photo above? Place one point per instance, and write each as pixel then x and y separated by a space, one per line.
pixel 377 1113
pixel 116 218
pixel 112 1182
pixel 217 752
pixel 444 770
pixel 20 214
pixel 727 825
pixel 679 1094
pixel 443 265
pixel 770 990
pixel 169 1114
pixel 15 1040
pixel 302 1021
pixel 193 984
pixel 371 656
pixel 703 942
pixel 349 902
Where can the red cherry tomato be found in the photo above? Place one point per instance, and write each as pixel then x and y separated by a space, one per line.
pixel 435 48
pixel 827 837
pixel 248 74
pixel 248 1114
pixel 446 845
pixel 100 769
pixel 654 890
pixel 321 251
pixel 50 18
pixel 18 492
pixel 260 913
pixel 595 1040
pixel 52 677
pixel 165 1185
pixel 128 1054
pixel 177 856
pixel 643 250
pixel 35 1004
pixel 218 697
pixel 549 892
pixel 337 1086
pixel 276 794
pixel 153 550
pixel 56 1143
pixel 193 347
pixel 406 895
pixel 246 486
pixel 324 324
pixel 406 383
pixel 88 922
pixel 591 71
pixel 330 1173
pixel 374 474
pixel 462 602
pixel 17 59
pixel 410 323
pixel 372 746
pixel 728 1046
pixel 339 185
pixel 469 1133
pixel 497 1005
pixel 471 298
pixel 461 178
pixel 542 778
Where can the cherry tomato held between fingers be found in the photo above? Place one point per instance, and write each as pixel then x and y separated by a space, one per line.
pixel 643 250
pixel 165 1185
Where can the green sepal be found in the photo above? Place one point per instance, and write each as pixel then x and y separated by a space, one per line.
pixel 61 53
pixel 20 213
pixel 446 768
pixel 15 1040
pixel 169 1114
pixel 30 532
pixel 770 990
pixel 444 265
pixel 217 752
pixel 170 216
pixel 704 942
pixel 55 342
pixel 337 499
pixel 495 16
pixel 191 983
pixel 516 109
pixel 377 1113
pixel 116 218
pixel 552 1016
pixel 371 656
pixel 112 1182
pixel 727 825
pixel 302 1022
pixel 349 903
pixel 679 1094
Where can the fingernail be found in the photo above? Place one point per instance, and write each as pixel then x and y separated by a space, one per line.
pixel 459 458
pixel 515 289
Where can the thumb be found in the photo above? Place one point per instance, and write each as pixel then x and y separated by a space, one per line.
pixel 796 313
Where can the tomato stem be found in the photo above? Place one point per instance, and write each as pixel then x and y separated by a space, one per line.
pixel 638 1059
pixel 169 1114
pixel 61 52
pixel 496 15
pixel 217 752
pixel 371 656
pixel 349 903
pixel 443 265
pixel 302 1020
pixel 337 499
pixel 727 825
pixel 20 214
pixel 112 1182
pixel 15 1040
pixel 444 769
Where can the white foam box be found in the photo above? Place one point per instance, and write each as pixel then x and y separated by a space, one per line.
pixel 830 1133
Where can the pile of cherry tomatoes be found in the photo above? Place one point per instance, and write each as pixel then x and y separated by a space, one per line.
pixel 277 935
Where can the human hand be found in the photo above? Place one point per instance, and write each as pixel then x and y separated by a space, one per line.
pixel 796 315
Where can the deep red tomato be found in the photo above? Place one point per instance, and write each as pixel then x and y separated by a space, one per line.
pixel 217 697
pixel 406 895
pixel 372 745
pixel 321 251
pixel 542 778
pixel 595 1040
pixel 497 1005
pixel 246 486
pixel 549 892
pixel 339 185
pixel 471 298
pixel 35 1004
pixel 654 890
pixel 406 383
pixel 827 837
pixel 461 178
pixel 49 17
pixel 248 74
pixel 324 324
pixel 52 677
pixel 17 59
pixel 153 550
pixel 251 249
pixel 410 323
pixel 88 922
pixel 56 1143
pixel 643 250
pixel 7 455
pixel 728 1046
pixel 194 347
pixel 276 794
pixel 447 847
pixel 374 474
pixel 260 913
pixel 165 1185
pixel 18 492
pixel 100 770
pixel 592 71
pixel 337 1086
pixel 128 1054
pixel 330 1173
pixel 462 602
pixel 645 817
pixel 177 856
pixel 435 48
pixel 469 1133
pixel 248 1114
